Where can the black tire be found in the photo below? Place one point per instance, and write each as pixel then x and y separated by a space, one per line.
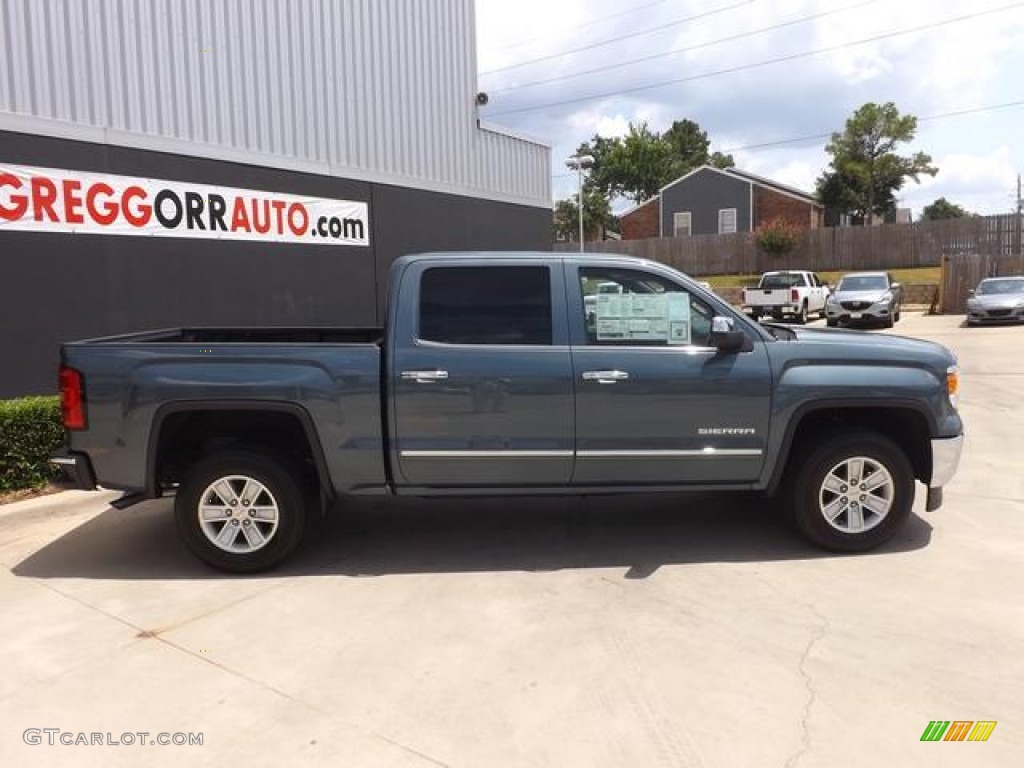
pixel 889 321
pixel 831 323
pixel 810 497
pixel 755 315
pixel 801 318
pixel 896 317
pixel 281 492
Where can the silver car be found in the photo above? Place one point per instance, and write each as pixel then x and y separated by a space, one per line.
pixel 865 297
pixel 996 300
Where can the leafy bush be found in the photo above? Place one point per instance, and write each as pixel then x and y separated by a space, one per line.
pixel 777 236
pixel 31 430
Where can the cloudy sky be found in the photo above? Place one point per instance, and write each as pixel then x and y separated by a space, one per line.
pixel 953 58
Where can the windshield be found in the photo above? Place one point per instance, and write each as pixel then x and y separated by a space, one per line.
pixel 782 280
pixel 863 283
pixel 996 287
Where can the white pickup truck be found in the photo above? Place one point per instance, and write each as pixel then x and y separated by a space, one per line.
pixel 794 293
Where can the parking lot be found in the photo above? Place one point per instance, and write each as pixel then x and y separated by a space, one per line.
pixel 653 631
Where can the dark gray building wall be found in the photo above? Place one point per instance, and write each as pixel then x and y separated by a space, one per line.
pixel 58 287
pixel 703 194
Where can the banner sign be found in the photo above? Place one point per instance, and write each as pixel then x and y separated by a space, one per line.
pixel 53 200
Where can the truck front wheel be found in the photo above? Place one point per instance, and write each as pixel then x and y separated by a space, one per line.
pixel 853 492
pixel 241 511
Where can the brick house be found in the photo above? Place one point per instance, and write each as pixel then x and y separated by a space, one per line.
pixel 710 201
pixel 642 220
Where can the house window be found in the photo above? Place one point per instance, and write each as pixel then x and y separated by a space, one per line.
pixel 726 221
pixel 681 224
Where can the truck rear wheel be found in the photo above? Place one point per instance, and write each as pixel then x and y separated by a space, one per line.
pixel 241 511
pixel 853 492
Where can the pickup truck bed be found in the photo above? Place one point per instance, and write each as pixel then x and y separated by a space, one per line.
pixel 155 383
pixel 229 335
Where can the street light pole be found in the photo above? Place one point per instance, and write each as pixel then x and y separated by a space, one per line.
pixel 578 163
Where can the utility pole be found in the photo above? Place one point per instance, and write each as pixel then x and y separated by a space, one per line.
pixel 1020 206
pixel 1020 210
pixel 578 163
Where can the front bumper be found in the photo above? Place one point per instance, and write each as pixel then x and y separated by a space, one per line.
pixel 978 316
pixel 873 313
pixel 945 460
pixel 75 471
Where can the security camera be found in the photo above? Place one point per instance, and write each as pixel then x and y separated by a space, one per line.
pixel 481 99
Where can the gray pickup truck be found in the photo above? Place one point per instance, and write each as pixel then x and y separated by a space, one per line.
pixel 496 375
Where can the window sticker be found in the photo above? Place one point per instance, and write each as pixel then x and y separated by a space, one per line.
pixel 663 317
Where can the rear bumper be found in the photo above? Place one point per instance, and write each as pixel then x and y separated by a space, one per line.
pixel 945 460
pixel 773 309
pixel 75 471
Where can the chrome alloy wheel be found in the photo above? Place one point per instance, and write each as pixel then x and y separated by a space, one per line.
pixel 856 495
pixel 238 514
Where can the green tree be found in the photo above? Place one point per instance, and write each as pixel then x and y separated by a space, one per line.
pixel 943 209
pixel 866 172
pixel 597 216
pixel 690 149
pixel 637 165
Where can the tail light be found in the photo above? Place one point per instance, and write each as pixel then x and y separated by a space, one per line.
pixel 794 296
pixel 72 398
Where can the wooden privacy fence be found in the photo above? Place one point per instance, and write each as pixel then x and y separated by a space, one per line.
pixel 962 272
pixel 888 246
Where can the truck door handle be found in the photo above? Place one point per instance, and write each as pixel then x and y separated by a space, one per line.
pixel 424 377
pixel 605 377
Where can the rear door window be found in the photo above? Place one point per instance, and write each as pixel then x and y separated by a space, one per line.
pixel 486 305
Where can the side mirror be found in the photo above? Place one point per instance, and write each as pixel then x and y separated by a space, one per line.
pixel 896 286
pixel 725 339
pixel 970 293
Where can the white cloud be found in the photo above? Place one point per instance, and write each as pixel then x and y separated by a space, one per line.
pixel 983 181
pixel 957 66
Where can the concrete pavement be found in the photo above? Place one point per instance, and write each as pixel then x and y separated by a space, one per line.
pixel 665 631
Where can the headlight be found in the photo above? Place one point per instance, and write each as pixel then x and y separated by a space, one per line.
pixel 953 384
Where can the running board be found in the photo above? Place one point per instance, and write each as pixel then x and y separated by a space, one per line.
pixel 128 500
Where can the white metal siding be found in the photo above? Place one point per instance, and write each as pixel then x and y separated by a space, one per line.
pixel 373 89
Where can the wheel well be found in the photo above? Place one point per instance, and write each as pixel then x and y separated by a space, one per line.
pixel 904 426
pixel 185 437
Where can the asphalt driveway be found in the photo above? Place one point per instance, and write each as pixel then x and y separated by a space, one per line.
pixel 664 631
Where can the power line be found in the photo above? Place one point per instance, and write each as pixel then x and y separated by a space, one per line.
pixel 757 64
pixel 926 118
pixel 590 23
pixel 814 136
pixel 620 38
pixel 687 49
